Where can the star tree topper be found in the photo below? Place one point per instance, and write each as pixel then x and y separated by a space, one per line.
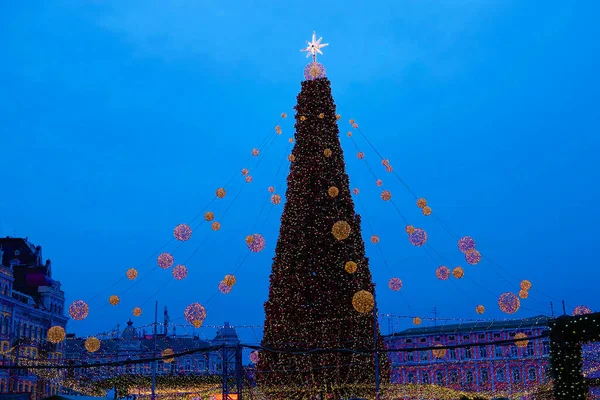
pixel 314 47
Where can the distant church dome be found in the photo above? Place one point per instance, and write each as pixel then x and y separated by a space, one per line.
pixel 226 334
pixel 129 332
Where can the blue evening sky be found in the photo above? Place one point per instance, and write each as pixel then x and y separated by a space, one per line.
pixel 119 119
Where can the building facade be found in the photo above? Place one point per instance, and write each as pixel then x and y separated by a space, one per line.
pixel 477 358
pixel 30 302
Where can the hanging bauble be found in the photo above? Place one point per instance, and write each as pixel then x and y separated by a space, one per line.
pixel 224 288
pixel 466 243
pixel 351 121
pixel 349 134
pixel 521 343
pixel 509 303
pixel 258 243
pixel 215 226
pixel 248 178
pixel 442 272
pixel 523 294
pixel 255 152
pixel 56 334
pixel 341 230
pixel 385 162
pixel 458 272
pixel 180 272
pixel 275 199
pixel 78 310
pixel 131 274
pixel 283 115
pixel 480 309
pixel 182 232
pixel 360 155
pixel 245 171
pixel 278 129
pixel 410 229
pixel 313 71
pixel 395 284
pixel 137 311
pixel 92 344
pixel 229 280
pixel 249 239
pixel 271 189
pixel 333 191
pixel 473 257
pixel 291 140
pixel 113 300
pixel 337 117
pixel 581 310
pixel 386 195
pixel 321 115
pixel 426 211
pixel 302 118
pixel 327 152
pixel 350 267
pixel 374 239
pixel 417 321
pixel 379 182
pixel 355 125
pixel 525 285
pixel 221 193
pixel 291 158
pixel 166 354
pixel 209 216
pixel 388 168
pixel 195 314
pixel 254 357
pixel 418 237
pixel 363 301
pixel 421 203
pixel 356 190
pixel 165 260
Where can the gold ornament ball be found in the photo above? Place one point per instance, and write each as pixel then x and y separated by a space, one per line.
pixel 216 226
pixel 271 189
pixel 523 294
pixel 321 115
pixel 249 239
pixel 355 125
pixel 221 193
pixel 327 152
pixel 337 117
pixel 386 195
pixel 209 216
pixel 114 300
pixel 521 343
pixel 131 274
pixel 341 230
pixel 385 162
pixel 351 267
pixel 374 239
pixel 303 118
pixel 438 353
pixel 137 312
pixel 283 115
pixel 276 199
pixel 363 301
pixel 333 191
pixel 167 353
pixel 410 229
pixel 229 280
pixel 389 168
pixel 351 121
pixel 525 285
pixel 426 210
pixel 291 140
pixel 291 158
pixel 56 334
pixel 92 344
pixel 255 152
pixel 417 321
pixel 458 272
pixel 421 203
pixel 480 309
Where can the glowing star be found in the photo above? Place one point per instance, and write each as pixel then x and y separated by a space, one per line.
pixel 314 47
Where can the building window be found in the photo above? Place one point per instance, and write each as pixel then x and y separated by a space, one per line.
pixel 453 377
pixel 482 336
pixel 424 355
pixel 516 375
pixel 425 378
pixel 436 339
pixel 466 337
pixel 451 337
pixel 469 376
pixel 513 350
pixel 496 336
pixel 482 352
pixel 498 351
pixel 531 375
pixel 439 378
pixel 452 354
pixel 408 340
pixel 530 348
pixel 545 347
pixel 484 375
pixel 467 353
pixel 423 340
pixel 411 377
pixel 512 334
pixel 409 356
pixel 500 375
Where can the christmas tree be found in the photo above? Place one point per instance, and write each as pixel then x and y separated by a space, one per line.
pixel 321 291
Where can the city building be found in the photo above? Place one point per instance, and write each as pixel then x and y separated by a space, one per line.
pixel 30 302
pixel 484 362
pixel 132 344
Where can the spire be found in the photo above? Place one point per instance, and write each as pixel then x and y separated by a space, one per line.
pixel 314 70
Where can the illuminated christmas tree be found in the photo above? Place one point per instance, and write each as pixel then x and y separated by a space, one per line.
pixel 321 292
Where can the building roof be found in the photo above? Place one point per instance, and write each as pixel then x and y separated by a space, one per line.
pixel 524 323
